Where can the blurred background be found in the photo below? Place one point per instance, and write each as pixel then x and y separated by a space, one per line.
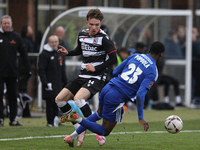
pixel 124 28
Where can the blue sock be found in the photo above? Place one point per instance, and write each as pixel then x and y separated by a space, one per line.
pixel 92 126
pixel 93 118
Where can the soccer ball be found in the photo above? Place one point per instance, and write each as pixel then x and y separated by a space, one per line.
pixel 173 124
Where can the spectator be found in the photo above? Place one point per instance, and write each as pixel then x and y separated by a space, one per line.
pixel 172 46
pixel 52 75
pixel 27 36
pixel 123 53
pixel 26 33
pixel 60 33
pixel 168 80
pixel 11 43
pixel 140 48
pixel 181 37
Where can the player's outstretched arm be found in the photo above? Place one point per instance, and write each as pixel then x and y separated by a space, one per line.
pixel 144 124
pixel 62 50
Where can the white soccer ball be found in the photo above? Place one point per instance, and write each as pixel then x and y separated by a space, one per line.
pixel 173 124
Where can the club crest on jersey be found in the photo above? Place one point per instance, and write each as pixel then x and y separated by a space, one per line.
pixel 95 41
pixel 12 42
pixel 150 85
pixel 60 60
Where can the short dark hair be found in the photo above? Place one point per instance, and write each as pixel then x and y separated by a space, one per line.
pixel 157 48
pixel 95 13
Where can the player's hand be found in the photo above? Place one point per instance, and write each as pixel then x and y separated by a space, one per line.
pixel 144 124
pixel 62 50
pixel 90 67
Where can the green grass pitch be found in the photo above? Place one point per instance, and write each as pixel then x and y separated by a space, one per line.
pixel 127 135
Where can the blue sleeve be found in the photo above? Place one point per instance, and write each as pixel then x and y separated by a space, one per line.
pixel 140 98
pixel 119 68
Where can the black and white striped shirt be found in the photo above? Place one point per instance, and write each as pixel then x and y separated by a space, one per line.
pixel 97 50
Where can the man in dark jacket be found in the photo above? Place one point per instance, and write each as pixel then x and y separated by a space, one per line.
pixel 10 44
pixel 52 75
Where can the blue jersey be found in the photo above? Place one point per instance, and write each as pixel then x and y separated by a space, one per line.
pixel 134 77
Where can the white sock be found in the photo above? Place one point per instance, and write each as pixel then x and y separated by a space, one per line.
pixel 76 125
pixel 178 99
pixel 74 135
pixel 78 120
pixel 166 99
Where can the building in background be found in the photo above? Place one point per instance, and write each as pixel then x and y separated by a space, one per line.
pixel 39 13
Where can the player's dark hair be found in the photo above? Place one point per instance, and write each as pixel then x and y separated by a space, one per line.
pixel 95 13
pixel 157 48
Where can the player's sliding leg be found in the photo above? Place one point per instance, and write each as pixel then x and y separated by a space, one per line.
pixel 84 107
pixel 66 109
pixel 92 126
pixel 94 117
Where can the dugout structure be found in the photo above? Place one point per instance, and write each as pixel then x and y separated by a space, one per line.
pixel 126 27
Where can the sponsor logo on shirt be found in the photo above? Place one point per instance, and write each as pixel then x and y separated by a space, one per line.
pixel 88 47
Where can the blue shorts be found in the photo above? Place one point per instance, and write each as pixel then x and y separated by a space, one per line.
pixel 112 101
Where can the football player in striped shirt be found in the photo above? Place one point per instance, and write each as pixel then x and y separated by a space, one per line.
pixel 98 53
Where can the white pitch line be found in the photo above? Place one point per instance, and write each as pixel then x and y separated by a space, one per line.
pixel 56 136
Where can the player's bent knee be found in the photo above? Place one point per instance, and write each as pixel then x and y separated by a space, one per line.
pixel 57 99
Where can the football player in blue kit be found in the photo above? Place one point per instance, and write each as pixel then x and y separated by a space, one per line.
pixel 132 79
